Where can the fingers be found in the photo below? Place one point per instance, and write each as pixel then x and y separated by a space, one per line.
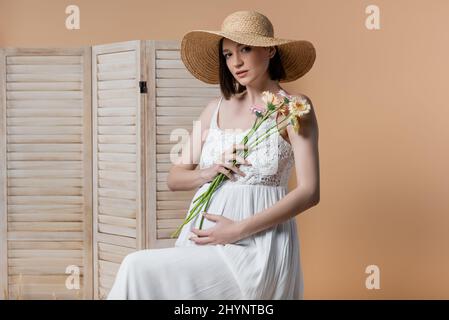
pixel 202 240
pixel 200 233
pixel 235 169
pixel 226 163
pixel 230 154
pixel 212 217
pixel 236 147
pixel 239 159
pixel 226 173
pixel 230 167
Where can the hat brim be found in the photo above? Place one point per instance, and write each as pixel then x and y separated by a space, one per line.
pixel 199 53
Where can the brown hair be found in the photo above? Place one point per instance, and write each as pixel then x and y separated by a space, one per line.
pixel 229 86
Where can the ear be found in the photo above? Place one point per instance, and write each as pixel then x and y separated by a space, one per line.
pixel 271 51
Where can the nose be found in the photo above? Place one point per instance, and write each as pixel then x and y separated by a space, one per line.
pixel 237 61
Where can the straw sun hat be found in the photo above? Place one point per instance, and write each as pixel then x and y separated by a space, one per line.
pixel 199 48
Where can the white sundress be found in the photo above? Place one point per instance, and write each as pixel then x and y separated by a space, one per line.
pixel 263 266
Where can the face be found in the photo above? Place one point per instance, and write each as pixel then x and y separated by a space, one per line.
pixel 240 57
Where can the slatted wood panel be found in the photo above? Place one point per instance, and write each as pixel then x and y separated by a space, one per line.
pixel 46 133
pixel 176 99
pixel 119 151
pixel 46 194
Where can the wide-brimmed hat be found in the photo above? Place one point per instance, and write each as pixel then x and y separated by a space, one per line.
pixel 199 48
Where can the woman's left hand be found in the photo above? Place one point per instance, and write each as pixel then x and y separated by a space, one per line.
pixel 225 231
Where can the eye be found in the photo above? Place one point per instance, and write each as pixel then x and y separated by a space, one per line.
pixel 247 48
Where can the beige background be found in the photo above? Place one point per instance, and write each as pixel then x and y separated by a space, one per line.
pixel 381 102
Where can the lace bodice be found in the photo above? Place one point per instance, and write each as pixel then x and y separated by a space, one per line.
pixel 272 159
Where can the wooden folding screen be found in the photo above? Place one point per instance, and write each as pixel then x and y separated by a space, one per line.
pixel 176 100
pixel 85 153
pixel 46 182
pixel 118 157
pixel 141 93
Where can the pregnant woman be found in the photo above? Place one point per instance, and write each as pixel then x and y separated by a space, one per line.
pixel 248 246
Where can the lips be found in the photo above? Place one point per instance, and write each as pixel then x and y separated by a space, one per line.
pixel 242 73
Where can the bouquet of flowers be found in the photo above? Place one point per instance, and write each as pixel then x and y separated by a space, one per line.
pixel 292 107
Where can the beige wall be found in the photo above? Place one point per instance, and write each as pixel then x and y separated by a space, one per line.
pixel 381 102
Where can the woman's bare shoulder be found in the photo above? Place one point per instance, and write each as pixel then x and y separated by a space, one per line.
pixel 208 111
pixel 308 121
pixel 212 104
pixel 303 96
pixel 300 95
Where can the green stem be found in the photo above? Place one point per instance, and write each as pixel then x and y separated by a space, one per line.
pixel 268 131
pixel 200 197
pixel 267 136
pixel 256 126
pixel 192 211
pixel 207 203
pixel 207 196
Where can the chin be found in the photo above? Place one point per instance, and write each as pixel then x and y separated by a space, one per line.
pixel 243 82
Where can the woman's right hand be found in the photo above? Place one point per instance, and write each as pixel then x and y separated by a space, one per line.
pixel 225 164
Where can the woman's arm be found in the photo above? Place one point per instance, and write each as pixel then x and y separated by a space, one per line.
pixel 307 193
pixel 184 176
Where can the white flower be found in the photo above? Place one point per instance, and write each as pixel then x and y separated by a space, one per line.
pixel 269 97
pixel 298 106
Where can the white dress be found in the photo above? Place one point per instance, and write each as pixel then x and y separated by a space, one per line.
pixel 263 266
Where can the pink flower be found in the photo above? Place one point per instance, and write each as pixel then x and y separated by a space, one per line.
pixel 257 108
pixel 284 94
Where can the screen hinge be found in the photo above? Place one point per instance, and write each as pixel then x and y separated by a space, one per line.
pixel 143 86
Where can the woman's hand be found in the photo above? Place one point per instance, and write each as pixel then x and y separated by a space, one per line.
pixel 224 164
pixel 224 231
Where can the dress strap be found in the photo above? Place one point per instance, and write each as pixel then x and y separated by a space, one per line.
pixel 214 120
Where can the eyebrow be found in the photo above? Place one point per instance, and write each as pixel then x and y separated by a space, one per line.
pixel 239 45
